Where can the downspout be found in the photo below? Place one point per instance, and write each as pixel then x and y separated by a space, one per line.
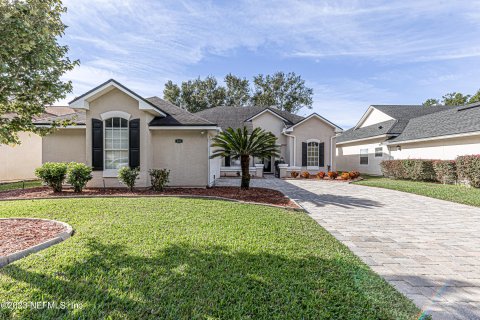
pixel 294 147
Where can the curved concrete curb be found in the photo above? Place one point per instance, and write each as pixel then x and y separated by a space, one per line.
pixel 4 260
pixel 300 208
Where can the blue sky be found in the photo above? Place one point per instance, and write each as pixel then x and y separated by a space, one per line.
pixel 352 53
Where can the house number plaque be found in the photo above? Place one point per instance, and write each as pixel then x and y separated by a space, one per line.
pixel 178 140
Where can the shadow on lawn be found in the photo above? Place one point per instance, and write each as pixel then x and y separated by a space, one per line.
pixel 182 281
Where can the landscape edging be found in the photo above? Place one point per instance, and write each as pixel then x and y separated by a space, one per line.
pixel 5 260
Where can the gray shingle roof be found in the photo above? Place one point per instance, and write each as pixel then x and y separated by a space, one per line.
pixel 235 117
pixel 176 116
pixel 367 132
pixel 454 120
pixel 61 113
pixel 402 115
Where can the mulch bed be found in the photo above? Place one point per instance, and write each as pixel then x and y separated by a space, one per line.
pixel 258 195
pixel 20 234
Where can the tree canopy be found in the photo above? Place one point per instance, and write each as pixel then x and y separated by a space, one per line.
pixel 284 91
pixel 453 99
pixel 31 64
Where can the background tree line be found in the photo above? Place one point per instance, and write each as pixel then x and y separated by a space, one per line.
pixel 453 99
pixel 286 91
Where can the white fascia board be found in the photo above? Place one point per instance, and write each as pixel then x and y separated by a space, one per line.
pixel 363 139
pixel 337 128
pixel 364 117
pixel 81 126
pixel 84 102
pixel 451 136
pixel 266 110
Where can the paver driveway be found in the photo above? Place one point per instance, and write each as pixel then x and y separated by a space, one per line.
pixel 428 249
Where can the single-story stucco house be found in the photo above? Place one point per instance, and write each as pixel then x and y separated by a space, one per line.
pixel 408 132
pixel 115 127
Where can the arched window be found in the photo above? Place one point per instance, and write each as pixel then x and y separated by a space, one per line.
pixel 312 154
pixel 116 143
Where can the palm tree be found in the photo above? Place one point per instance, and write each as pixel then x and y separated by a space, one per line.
pixel 240 144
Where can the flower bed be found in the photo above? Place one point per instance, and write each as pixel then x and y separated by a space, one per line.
pixel 258 195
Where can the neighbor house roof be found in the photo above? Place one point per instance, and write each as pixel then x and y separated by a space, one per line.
pixel 238 117
pixel 176 115
pixel 401 114
pixel 61 113
pixel 452 121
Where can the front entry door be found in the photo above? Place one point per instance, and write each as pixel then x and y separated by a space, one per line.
pixel 267 165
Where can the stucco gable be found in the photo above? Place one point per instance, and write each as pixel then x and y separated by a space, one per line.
pixel 373 116
pixel 315 120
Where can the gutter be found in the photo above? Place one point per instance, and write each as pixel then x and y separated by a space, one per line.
pixel 451 136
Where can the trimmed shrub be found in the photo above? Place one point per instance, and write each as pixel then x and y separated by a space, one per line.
pixel 128 176
pixel 345 176
pixel 354 174
pixel 294 174
pixel 445 171
pixel 468 169
pixel 419 170
pixel 321 175
pixel 412 169
pixel 159 178
pixel 332 175
pixel 305 174
pixel 52 174
pixel 393 169
pixel 78 174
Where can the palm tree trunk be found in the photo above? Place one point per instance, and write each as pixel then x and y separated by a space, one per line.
pixel 245 163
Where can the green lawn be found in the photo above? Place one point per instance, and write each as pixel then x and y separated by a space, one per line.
pixel 20 185
pixel 156 258
pixel 454 193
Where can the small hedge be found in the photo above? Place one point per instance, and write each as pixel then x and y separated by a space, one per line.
pixel 128 176
pixel 78 174
pixel 446 171
pixel 465 169
pixel 468 169
pixel 159 178
pixel 53 174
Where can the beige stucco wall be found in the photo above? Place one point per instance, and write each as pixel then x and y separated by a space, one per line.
pixel 64 145
pixel 116 100
pixel 445 149
pixel 348 157
pixel 18 162
pixel 375 116
pixel 314 128
pixel 269 122
pixel 187 161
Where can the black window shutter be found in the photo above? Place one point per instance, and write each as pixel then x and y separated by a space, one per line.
pixel 97 144
pixel 134 143
pixel 321 155
pixel 304 154
pixel 227 161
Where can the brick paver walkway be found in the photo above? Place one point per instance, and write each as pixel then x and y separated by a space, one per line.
pixel 428 249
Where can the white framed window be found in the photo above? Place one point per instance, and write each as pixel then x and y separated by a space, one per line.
pixel 115 143
pixel 312 154
pixel 364 156
pixel 378 152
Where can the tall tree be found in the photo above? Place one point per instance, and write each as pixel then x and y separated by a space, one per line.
pixel 240 144
pixel 431 102
pixel 475 97
pixel 455 99
pixel 31 64
pixel 238 91
pixel 195 95
pixel 285 91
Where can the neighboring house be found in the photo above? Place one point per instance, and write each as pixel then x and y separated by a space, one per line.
pixel 115 127
pixel 306 143
pixel 409 132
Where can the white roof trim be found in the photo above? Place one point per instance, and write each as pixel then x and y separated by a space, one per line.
pixel 363 139
pixel 262 112
pixel 80 126
pixel 450 136
pixel 337 128
pixel 364 117
pixel 84 101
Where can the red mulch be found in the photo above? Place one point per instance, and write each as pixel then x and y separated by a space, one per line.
pixel 20 234
pixel 259 195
